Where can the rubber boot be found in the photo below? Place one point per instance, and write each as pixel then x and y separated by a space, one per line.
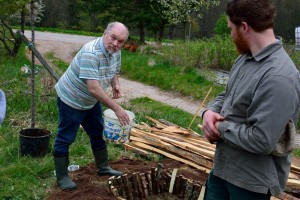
pixel 103 169
pixel 61 170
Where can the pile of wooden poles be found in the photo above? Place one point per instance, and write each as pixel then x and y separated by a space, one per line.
pixel 173 142
pixel 186 146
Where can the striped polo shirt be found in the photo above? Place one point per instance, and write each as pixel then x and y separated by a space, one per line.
pixel 92 62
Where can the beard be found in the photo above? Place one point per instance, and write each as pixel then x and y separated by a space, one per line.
pixel 241 44
pixel 111 50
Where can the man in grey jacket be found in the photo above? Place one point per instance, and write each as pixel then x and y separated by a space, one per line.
pixel 247 120
pixel 2 106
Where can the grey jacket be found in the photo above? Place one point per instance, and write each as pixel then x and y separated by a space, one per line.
pixel 262 94
pixel 2 106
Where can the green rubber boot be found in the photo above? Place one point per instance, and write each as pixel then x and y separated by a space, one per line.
pixel 103 169
pixel 61 169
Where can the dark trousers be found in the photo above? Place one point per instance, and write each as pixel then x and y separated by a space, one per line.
pixel 219 189
pixel 69 122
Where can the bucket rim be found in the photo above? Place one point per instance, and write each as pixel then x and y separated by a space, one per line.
pixel 42 136
pixel 131 114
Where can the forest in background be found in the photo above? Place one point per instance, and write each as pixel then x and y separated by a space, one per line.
pixel 146 19
pixel 94 15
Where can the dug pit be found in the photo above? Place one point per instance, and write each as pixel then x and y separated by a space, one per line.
pixel 91 186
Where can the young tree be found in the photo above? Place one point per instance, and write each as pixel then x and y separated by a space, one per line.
pixel 179 11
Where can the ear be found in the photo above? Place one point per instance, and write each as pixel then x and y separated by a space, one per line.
pixel 245 28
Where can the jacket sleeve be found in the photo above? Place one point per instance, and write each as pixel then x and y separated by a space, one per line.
pixel 217 104
pixel 2 106
pixel 275 101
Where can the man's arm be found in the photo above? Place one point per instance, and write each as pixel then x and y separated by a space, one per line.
pixel 96 90
pixel 273 104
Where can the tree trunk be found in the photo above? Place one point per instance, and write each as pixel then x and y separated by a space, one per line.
pixel 142 32
pixel 18 40
pixel 184 31
pixel 161 32
pixel 171 30
pixel 32 66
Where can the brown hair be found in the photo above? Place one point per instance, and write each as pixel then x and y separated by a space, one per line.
pixel 259 14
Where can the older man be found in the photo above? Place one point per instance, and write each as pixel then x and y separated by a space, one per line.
pixel 81 91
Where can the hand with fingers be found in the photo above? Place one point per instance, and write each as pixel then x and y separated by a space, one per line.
pixel 116 92
pixel 122 116
pixel 211 122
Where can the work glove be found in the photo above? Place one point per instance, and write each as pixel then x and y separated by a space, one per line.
pixel 2 106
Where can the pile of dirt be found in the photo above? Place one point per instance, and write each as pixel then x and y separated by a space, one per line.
pixel 91 186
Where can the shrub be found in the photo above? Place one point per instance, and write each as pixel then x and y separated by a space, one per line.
pixel 216 53
pixel 221 27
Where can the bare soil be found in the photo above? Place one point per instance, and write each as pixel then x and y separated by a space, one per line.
pixel 91 186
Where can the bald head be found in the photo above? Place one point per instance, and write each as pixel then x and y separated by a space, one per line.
pixel 122 29
pixel 115 36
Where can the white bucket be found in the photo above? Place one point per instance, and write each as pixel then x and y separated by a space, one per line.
pixel 113 131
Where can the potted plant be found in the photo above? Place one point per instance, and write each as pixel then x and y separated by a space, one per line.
pixel 33 141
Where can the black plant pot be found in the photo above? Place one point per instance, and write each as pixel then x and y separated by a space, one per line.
pixel 34 142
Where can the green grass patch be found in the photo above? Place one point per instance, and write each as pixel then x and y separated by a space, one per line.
pixel 296 152
pixel 168 77
pixel 60 65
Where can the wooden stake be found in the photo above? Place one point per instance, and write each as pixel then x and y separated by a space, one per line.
pixel 114 191
pixel 177 184
pixel 135 185
pixel 182 187
pixel 201 196
pixel 188 190
pixel 144 184
pixel 173 178
pixel 154 182
pixel 141 188
pixel 120 186
pixel 127 187
pixel 148 178
pixel 196 192
pixel 199 108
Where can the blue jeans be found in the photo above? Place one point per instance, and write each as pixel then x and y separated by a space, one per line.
pixel 219 189
pixel 69 122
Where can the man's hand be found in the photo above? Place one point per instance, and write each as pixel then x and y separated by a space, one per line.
pixel 116 92
pixel 122 117
pixel 116 87
pixel 211 122
pixel 96 90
